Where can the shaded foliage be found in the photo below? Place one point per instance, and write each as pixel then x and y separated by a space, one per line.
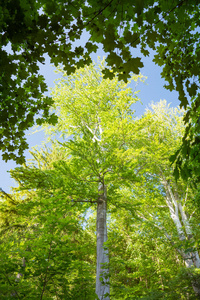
pixel 35 28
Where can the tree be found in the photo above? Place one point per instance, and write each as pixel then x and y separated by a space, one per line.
pixel 44 247
pixel 167 203
pixel 96 113
pixel 34 29
pixel 153 231
pixel 94 118
pixel 143 264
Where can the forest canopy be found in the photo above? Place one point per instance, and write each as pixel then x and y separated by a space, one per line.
pixel 99 203
pixel 32 29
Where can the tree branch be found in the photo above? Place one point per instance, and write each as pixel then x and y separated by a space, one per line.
pixel 5 194
pixel 80 200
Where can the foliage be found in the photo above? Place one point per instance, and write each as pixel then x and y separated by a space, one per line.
pixel 35 28
pixel 94 119
pixel 47 229
pixel 143 264
pixel 147 246
pixel 44 247
pixel 187 158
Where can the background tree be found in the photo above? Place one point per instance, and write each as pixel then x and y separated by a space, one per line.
pixel 44 247
pixel 163 203
pixel 34 29
pixel 143 263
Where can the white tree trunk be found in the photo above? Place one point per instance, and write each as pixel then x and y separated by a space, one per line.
pixel 102 279
pixel 179 217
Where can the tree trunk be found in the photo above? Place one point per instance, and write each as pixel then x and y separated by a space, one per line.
pixel 102 272
pixel 184 230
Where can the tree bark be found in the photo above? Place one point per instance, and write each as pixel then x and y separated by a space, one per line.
pixel 184 230
pixel 102 272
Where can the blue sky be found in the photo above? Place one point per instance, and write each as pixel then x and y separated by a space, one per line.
pixel 151 90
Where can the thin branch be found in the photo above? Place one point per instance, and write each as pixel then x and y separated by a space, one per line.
pixel 192 215
pixel 167 13
pixel 186 196
pixel 155 206
pixel 161 228
pixel 93 133
pixel 89 201
pixel 145 219
pixel 5 194
pixel 11 285
pixel 140 168
pixel 99 12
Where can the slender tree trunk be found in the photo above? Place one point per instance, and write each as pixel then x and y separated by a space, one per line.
pixel 184 230
pixel 102 279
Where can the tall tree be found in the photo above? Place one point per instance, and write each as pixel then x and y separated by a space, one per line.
pixel 97 114
pixel 166 198
pixel 34 29
pixel 154 216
